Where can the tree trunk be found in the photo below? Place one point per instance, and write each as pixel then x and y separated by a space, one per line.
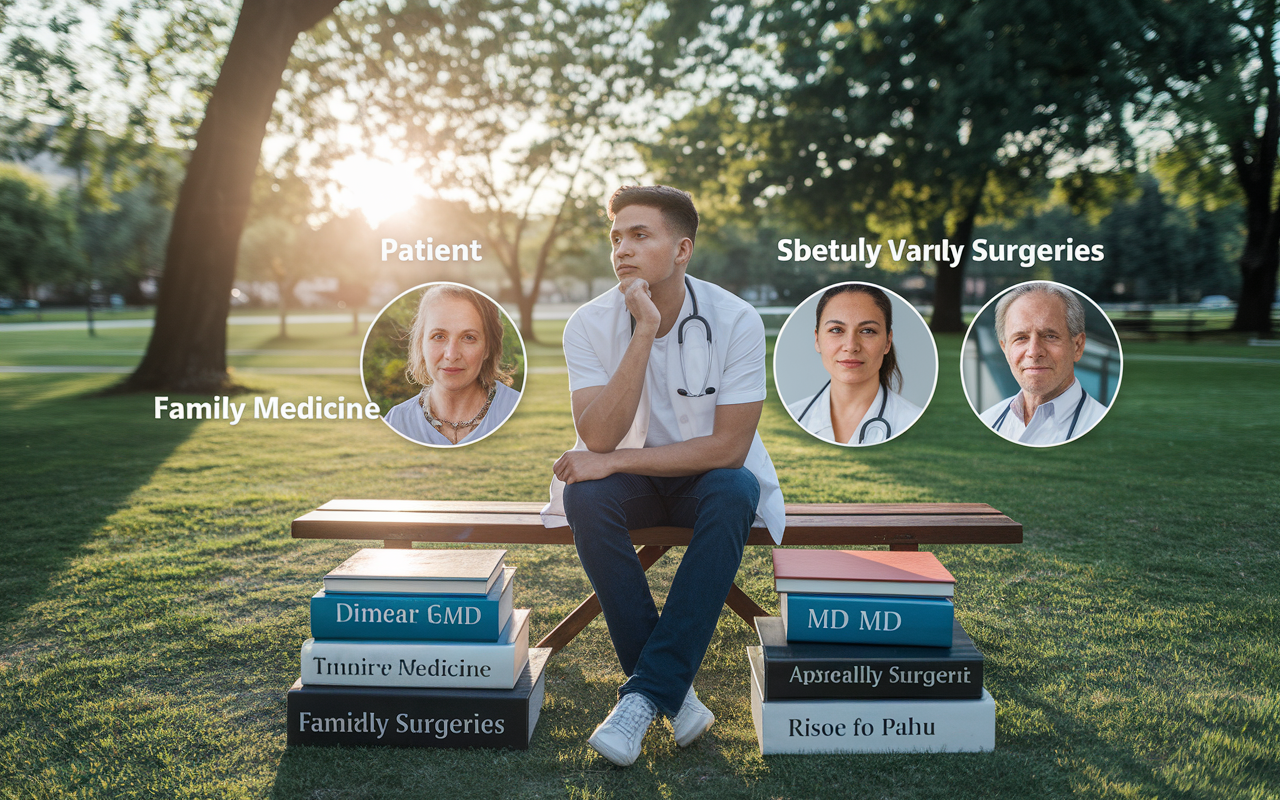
pixel 1257 291
pixel 284 310
pixel 1255 167
pixel 525 302
pixel 948 288
pixel 1258 266
pixel 187 350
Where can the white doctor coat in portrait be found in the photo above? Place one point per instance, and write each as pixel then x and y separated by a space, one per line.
pixel 1052 420
pixel 596 338
pixel 899 412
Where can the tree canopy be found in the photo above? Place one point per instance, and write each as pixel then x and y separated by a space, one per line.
pixel 905 118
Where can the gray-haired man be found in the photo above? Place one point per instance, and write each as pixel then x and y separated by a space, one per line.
pixel 1040 326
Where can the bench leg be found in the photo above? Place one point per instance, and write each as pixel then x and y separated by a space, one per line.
pixel 744 606
pixel 589 609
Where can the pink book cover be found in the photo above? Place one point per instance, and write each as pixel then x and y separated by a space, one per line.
pixel 859 565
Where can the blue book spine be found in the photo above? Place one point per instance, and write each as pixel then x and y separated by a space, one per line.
pixel 413 617
pixel 868 619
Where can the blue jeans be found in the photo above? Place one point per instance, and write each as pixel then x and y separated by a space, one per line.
pixel 661 654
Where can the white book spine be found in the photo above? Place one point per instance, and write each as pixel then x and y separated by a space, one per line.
pixel 454 665
pixel 871 726
pixel 339 585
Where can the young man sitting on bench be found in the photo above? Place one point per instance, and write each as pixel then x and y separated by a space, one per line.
pixel 667 377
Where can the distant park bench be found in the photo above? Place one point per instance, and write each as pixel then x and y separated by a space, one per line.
pixel 901 526
pixel 1145 322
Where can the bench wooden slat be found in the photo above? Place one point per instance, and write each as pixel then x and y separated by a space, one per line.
pixel 516 507
pixel 802 529
pixel 461 506
pixel 876 509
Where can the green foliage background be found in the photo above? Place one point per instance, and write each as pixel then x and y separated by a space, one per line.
pixel 386 352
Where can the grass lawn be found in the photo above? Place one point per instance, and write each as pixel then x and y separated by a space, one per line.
pixel 152 604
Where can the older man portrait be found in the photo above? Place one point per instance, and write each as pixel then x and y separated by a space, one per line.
pixel 1041 330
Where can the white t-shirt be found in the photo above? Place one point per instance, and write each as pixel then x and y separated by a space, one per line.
pixel 1052 420
pixel 662 415
pixel 899 414
pixel 596 338
pixel 742 381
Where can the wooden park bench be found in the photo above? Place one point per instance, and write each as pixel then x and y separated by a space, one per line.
pixel 901 526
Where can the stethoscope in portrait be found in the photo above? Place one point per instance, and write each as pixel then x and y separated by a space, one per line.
pixel 1074 417
pixel 693 317
pixel 862 432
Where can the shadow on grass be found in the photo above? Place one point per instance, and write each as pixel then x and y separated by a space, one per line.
pixel 1122 633
pixel 71 459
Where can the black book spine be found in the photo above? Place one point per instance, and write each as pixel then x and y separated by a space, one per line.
pixel 406 718
pixel 854 679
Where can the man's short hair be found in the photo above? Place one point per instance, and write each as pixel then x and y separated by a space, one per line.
pixel 1072 304
pixel 676 206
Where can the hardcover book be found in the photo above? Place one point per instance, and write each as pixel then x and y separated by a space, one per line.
pixel 462 665
pixel 912 574
pixel 415 617
pixel 362 716
pixel 377 571
pixel 867 619
pixel 794 670
pixel 869 726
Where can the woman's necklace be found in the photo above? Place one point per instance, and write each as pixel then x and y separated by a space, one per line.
pixel 424 399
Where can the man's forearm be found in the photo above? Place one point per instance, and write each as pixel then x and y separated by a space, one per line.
pixel 692 457
pixel 609 415
pixel 726 447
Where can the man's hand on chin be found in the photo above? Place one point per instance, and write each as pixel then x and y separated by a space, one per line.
pixel 583 465
pixel 640 301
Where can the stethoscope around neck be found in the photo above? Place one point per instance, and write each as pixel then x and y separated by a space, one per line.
pixel 693 317
pixel 1074 417
pixel 862 432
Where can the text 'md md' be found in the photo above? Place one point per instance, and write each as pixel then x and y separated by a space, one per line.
pixel 840 619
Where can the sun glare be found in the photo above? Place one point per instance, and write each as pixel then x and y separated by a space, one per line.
pixel 378 189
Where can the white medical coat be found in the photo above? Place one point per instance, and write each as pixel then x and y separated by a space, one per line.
pixel 900 413
pixel 1052 420
pixel 606 327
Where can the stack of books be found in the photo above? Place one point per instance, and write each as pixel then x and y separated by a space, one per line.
pixel 867 657
pixel 418 648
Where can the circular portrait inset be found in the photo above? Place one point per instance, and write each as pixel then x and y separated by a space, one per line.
pixel 1041 364
pixel 444 363
pixel 855 364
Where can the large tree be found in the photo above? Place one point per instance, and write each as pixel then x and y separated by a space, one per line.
pixel 1226 135
pixel 915 119
pixel 187 350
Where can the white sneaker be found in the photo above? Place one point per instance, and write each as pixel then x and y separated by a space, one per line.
pixel 693 720
pixel 621 735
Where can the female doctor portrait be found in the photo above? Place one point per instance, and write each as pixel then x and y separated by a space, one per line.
pixel 858 397
pixel 456 357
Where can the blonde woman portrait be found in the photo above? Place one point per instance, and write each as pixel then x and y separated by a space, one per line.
pixel 456 359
